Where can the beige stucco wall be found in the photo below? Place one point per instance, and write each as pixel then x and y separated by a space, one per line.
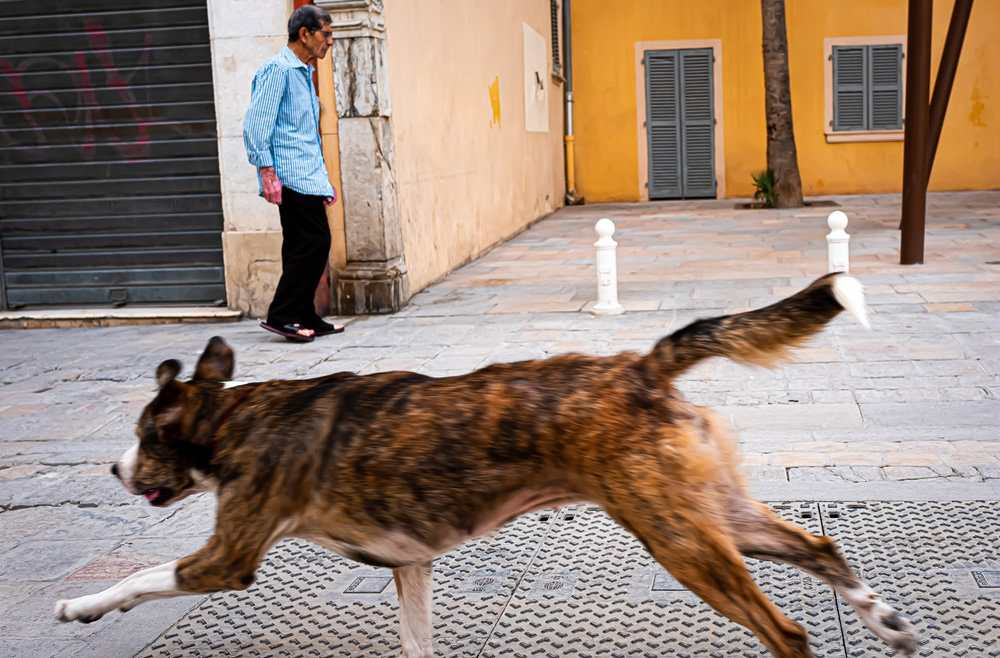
pixel 466 181
pixel 251 239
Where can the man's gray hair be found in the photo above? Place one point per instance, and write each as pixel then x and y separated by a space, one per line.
pixel 310 17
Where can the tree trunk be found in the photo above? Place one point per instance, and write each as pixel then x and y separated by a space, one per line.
pixel 782 157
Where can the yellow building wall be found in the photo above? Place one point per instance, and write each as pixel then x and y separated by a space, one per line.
pixel 604 73
pixel 469 174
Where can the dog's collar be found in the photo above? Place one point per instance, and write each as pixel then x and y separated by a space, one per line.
pixel 225 416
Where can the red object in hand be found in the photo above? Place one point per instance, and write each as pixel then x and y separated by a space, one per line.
pixel 271 185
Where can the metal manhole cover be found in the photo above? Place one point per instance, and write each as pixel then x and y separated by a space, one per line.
pixel 664 582
pixel 625 604
pixel 919 557
pixel 549 585
pixel 368 585
pixel 987 579
pixel 553 585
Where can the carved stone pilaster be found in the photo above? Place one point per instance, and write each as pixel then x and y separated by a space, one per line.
pixel 376 287
pixel 375 279
pixel 355 18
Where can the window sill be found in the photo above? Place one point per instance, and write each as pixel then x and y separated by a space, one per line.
pixel 843 136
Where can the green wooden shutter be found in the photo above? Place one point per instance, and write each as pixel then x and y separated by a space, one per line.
pixel 698 123
pixel 556 58
pixel 663 124
pixel 850 107
pixel 886 89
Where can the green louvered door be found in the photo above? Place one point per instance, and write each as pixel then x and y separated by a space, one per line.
pixel 680 124
pixel 868 87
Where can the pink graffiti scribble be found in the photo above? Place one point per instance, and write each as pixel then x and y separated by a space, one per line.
pixel 13 77
pixel 88 113
pixel 100 45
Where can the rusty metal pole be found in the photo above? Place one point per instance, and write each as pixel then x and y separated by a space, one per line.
pixel 946 75
pixel 918 75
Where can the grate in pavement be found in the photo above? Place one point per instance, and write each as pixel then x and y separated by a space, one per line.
pixel 572 583
pixel 921 557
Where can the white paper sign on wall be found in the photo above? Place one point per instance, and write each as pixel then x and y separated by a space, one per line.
pixel 536 81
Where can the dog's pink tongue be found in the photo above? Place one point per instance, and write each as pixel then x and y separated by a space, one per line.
pixel 151 495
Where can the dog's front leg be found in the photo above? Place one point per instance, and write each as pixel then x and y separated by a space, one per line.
pixel 416 629
pixel 228 561
pixel 157 582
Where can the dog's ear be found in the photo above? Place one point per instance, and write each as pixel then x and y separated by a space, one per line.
pixel 170 404
pixel 167 372
pixel 216 363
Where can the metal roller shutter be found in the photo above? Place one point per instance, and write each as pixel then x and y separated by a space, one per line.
pixel 109 175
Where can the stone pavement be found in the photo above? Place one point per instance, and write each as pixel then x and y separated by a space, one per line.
pixel 907 411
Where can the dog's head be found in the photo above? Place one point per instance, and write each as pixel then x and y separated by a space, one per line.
pixel 174 430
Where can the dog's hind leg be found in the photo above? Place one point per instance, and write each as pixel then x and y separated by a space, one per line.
pixel 760 534
pixel 416 629
pixel 686 541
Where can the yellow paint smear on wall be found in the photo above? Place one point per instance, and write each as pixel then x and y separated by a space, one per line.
pixel 495 100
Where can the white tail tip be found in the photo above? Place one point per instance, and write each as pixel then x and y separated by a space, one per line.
pixel 850 294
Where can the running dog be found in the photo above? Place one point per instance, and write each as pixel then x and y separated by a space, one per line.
pixel 395 468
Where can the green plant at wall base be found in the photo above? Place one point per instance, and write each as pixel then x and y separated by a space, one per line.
pixel 765 193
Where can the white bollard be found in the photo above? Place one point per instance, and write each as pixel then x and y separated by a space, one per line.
pixel 607 271
pixel 837 241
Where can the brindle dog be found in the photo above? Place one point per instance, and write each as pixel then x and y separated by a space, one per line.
pixel 394 468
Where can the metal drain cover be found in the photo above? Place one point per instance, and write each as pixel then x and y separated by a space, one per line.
pixel 987 579
pixel 919 557
pixel 574 583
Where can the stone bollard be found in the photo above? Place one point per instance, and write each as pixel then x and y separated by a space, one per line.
pixel 837 240
pixel 607 271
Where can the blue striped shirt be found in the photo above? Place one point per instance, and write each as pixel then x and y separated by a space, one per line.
pixel 281 127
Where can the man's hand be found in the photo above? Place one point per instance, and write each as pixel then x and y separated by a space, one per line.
pixel 330 200
pixel 271 185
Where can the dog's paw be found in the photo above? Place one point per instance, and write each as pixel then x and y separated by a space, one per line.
pixel 897 631
pixel 890 627
pixel 76 610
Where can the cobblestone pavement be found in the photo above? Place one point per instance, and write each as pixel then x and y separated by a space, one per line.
pixel 907 411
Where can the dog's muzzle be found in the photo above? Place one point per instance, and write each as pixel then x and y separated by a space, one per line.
pixel 124 469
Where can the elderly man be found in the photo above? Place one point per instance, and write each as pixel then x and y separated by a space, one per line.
pixel 281 135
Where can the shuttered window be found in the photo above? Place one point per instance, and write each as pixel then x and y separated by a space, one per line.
pixel 867 87
pixel 680 123
pixel 556 58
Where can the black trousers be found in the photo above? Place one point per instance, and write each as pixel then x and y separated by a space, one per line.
pixel 305 248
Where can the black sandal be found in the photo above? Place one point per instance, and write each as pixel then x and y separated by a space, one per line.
pixel 289 331
pixel 324 328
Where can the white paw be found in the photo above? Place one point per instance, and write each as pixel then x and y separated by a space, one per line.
pixel 892 628
pixel 77 610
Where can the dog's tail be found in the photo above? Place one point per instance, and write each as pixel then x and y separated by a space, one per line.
pixel 761 337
